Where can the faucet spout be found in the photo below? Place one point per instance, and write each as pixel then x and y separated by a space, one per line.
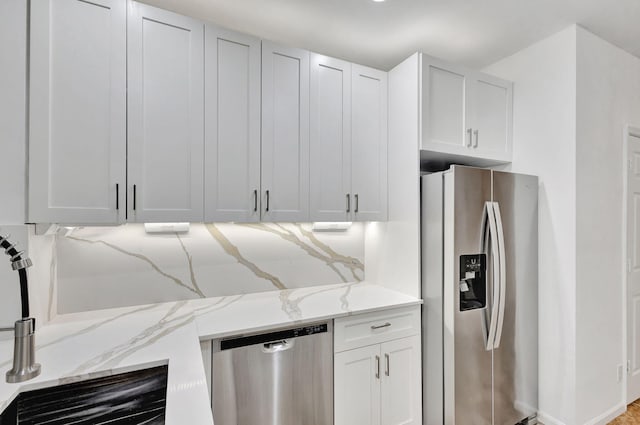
pixel 24 365
pixel 19 264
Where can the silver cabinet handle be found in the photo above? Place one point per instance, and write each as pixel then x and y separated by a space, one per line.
pixel 255 200
pixel 386 325
pixel 348 202
pixel 475 133
pixel 117 196
pixel 267 207
pixel 387 367
pixel 134 197
pixel 469 131
pixel 377 367
pixel 357 204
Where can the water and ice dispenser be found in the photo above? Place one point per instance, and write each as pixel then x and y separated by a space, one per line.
pixel 473 282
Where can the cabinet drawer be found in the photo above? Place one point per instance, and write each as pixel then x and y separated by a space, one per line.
pixel 373 328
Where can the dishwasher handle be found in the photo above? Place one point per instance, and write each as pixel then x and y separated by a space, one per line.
pixel 278 346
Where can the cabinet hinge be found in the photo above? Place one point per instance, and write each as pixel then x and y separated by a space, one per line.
pixel 628 367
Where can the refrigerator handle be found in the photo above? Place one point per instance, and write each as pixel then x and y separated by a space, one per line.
pixel 502 274
pixel 490 238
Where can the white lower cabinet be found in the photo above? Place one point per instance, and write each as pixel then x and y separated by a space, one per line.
pixel 400 401
pixel 357 386
pixel 378 384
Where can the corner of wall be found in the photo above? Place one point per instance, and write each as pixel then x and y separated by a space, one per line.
pixel 392 248
pixel 544 76
pixel 42 275
pixel 608 99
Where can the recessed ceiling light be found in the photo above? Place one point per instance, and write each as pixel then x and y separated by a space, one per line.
pixel 378 1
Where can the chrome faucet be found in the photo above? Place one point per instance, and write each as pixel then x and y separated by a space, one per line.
pixel 24 365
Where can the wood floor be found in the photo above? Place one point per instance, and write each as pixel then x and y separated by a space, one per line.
pixel 630 417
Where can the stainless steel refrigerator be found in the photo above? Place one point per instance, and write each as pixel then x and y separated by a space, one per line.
pixel 480 286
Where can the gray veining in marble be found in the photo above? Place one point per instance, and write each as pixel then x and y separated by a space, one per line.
pixel 140 257
pixel 86 330
pixel 235 253
pixel 291 305
pixel 175 318
pixel 330 260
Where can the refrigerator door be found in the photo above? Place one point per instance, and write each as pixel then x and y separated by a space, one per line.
pixel 467 362
pixel 515 362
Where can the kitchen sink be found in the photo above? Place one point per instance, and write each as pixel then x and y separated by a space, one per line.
pixel 137 397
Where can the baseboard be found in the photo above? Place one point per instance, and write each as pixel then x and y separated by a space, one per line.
pixel 608 416
pixel 548 419
pixel 603 419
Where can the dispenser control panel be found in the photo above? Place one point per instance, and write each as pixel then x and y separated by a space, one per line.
pixel 473 282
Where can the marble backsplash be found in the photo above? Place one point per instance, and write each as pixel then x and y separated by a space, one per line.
pixel 105 267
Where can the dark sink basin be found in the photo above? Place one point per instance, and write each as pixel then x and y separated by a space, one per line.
pixel 138 397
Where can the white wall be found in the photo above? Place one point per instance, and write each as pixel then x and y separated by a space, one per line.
pixel 13 50
pixel 544 77
pixel 392 248
pixel 608 98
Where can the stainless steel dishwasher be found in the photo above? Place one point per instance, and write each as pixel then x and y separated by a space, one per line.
pixel 284 377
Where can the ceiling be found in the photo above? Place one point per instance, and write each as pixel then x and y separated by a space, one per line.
pixel 470 32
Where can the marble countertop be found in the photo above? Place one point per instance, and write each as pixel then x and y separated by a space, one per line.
pixel 80 346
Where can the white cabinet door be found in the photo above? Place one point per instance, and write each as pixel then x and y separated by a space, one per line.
pixel 166 113
pixel 492 116
pixel 401 382
pixel 77 125
pixel 285 133
pixel 330 139
pixel 232 126
pixel 465 114
pixel 369 144
pixel 444 107
pixel 357 375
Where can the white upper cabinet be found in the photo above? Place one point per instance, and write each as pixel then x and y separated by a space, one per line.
pixel 330 164
pixel 369 144
pixel 138 114
pixel 77 110
pixel 444 106
pixel 465 113
pixel 492 119
pixel 285 133
pixel 348 141
pixel 166 116
pixel 232 126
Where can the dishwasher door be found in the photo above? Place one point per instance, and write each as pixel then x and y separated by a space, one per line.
pixel 278 378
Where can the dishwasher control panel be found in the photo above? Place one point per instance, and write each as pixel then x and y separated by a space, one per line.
pixel 243 341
